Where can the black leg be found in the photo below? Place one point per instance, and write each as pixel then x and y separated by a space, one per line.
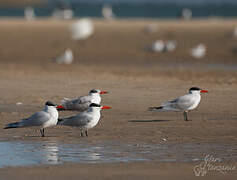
pixel 42 132
pixel 86 133
pixel 82 135
pixel 185 116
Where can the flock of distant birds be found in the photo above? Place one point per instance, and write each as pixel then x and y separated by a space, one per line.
pixel 84 28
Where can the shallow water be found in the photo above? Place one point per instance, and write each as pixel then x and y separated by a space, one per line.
pixel 25 153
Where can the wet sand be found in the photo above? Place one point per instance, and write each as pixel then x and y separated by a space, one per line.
pixel 114 59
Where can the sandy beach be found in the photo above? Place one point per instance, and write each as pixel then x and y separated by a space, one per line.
pixel 115 59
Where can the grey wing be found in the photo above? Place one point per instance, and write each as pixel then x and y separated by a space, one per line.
pixel 79 120
pixel 78 104
pixel 37 119
pixel 172 105
pixel 184 102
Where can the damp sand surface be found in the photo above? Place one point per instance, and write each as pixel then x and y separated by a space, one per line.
pixel 129 142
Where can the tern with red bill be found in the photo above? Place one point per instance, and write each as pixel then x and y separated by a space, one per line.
pixel 81 103
pixel 184 103
pixel 40 120
pixel 84 120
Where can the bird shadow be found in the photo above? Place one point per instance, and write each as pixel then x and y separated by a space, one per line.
pixel 147 121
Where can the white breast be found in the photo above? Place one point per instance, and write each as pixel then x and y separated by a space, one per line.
pixel 53 117
pixel 95 119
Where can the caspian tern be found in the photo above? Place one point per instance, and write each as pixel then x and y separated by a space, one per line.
pixel 42 119
pixel 184 103
pixel 81 103
pixel 84 120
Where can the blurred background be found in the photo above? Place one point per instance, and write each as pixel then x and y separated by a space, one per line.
pixel 176 38
pixel 124 8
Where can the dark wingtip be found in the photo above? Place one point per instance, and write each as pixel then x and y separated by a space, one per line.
pixel 154 108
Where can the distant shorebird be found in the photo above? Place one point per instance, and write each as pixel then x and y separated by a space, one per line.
pixel 107 12
pixel 63 11
pixel 162 46
pixel 84 120
pixel 62 14
pixel 65 58
pixel 198 51
pixel 81 103
pixel 184 103
pixel 40 120
pixel 82 29
pixel 158 46
pixel 186 14
pixel 29 13
pixel 171 45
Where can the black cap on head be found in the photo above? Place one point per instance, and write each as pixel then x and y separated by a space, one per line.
pixel 49 103
pixel 195 89
pixel 94 105
pixel 93 91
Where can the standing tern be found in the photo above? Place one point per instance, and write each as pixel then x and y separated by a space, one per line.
pixel 184 103
pixel 81 103
pixel 84 120
pixel 42 119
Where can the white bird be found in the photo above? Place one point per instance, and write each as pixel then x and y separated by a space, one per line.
pixel 29 13
pixel 184 103
pixel 65 58
pixel 84 120
pixel 158 46
pixel 46 118
pixel 187 14
pixel 62 14
pixel 170 45
pixel 107 12
pixel 82 29
pixel 198 51
pixel 81 103
pixel 63 11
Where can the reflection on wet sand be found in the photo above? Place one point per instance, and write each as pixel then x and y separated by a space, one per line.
pixel 25 153
pixel 50 151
